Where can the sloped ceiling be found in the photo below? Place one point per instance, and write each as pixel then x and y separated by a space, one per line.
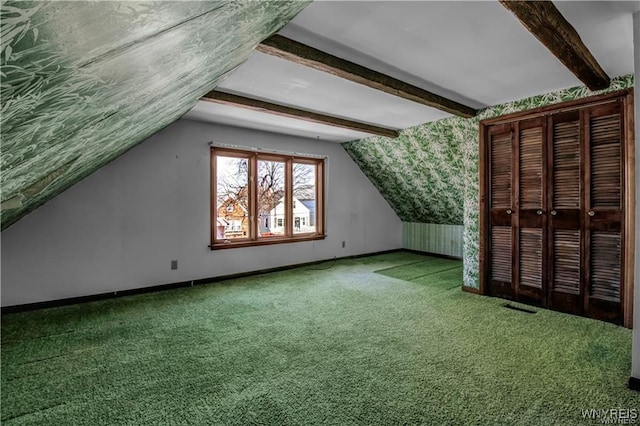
pixel 425 173
pixel 83 82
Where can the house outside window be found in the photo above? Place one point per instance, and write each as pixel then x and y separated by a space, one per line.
pixel 287 193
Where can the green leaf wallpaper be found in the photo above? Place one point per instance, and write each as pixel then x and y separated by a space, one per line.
pixel 430 173
pixel 420 173
pixel 83 82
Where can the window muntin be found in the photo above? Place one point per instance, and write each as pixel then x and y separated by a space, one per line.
pixel 283 203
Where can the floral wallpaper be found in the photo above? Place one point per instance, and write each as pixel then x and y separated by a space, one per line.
pixel 430 173
pixel 83 82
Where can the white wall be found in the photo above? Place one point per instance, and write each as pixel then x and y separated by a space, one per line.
pixel 120 227
pixel 636 300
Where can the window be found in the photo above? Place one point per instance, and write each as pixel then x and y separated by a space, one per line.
pixel 283 203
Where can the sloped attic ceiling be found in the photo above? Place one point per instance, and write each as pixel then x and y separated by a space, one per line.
pixel 83 82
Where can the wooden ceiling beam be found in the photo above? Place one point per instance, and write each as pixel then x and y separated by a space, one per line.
pixel 299 53
pixel 286 111
pixel 548 25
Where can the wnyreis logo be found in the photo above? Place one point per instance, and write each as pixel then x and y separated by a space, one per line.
pixel 613 416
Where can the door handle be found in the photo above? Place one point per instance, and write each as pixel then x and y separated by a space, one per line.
pixel 539 212
pixel 508 211
pixel 553 212
pixel 591 213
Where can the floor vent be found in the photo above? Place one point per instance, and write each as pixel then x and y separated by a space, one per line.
pixel 518 308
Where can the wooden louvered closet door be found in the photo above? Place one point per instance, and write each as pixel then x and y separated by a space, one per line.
pixel 563 197
pixel 530 220
pixel 603 212
pixel 554 216
pixel 500 199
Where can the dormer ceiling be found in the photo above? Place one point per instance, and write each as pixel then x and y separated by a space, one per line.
pixel 83 82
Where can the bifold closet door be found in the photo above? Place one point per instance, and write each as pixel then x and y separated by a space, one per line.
pixel 529 248
pixel 564 197
pixel 500 241
pixel 603 215
pixel 556 218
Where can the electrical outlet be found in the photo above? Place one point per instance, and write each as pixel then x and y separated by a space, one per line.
pixel 343 244
pixel 174 264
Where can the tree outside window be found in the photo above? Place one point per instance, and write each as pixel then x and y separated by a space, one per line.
pixel 279 205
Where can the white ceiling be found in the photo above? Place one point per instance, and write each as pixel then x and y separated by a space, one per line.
pixel 474 52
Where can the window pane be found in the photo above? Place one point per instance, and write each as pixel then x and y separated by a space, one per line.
pixel 232 193
pixel 271 203
pixel 304 198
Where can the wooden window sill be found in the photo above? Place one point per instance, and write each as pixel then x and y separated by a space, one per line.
pixel 265 242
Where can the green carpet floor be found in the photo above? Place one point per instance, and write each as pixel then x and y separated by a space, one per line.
pixel 334 343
